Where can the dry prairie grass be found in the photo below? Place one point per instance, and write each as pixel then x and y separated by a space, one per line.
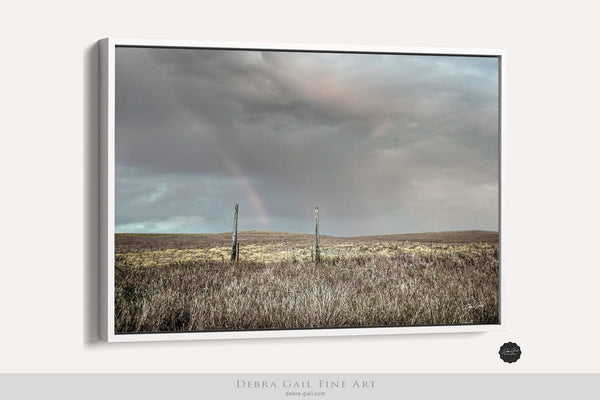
pixel 359 283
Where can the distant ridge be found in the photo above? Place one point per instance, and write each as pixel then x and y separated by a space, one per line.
pixel 437 237
pixel 202 240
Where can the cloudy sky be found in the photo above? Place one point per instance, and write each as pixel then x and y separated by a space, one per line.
pixel 380 143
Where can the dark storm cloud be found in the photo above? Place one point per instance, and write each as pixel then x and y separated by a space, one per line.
pixel 382 143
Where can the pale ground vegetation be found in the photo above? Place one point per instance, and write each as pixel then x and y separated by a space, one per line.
pixel 187 283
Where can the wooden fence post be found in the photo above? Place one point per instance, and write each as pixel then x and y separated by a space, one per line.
pixel 234 246
pixel 317 250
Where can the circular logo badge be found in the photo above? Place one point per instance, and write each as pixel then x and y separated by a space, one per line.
pixel 510 352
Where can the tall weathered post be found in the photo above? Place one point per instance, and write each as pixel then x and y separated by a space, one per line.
pixel 317 250
pixel 234 246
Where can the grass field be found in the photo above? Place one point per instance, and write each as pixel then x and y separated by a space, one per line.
pixel 185 282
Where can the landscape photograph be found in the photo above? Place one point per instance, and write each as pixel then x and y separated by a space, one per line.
pixel 261 189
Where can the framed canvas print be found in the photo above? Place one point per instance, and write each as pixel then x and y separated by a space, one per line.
pixel 263 190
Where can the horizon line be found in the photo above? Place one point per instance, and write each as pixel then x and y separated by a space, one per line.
pixel 302 233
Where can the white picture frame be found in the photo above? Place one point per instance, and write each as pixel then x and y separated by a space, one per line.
pixel 107 49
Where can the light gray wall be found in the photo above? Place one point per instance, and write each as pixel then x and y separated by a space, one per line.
pixel 550 218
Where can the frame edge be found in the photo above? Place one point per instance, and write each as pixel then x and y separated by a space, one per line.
pixel 106 114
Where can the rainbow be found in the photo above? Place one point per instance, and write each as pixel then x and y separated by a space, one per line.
pixel 258 204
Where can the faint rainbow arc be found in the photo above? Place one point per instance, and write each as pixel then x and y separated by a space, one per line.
pixel 253 195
